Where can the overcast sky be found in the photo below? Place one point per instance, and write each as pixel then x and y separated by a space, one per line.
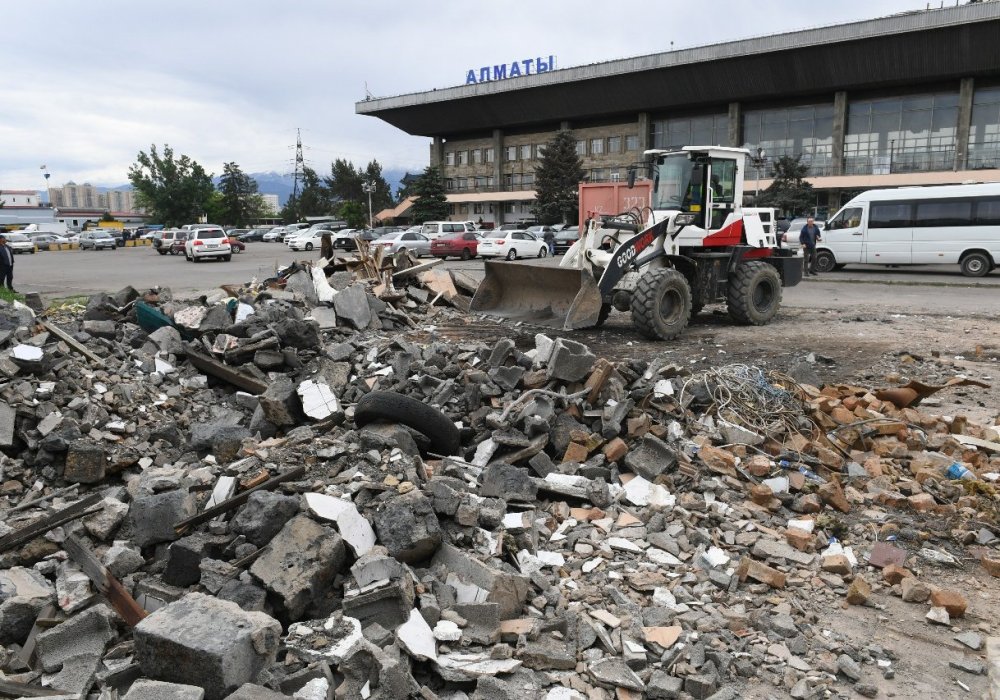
pixel 84 86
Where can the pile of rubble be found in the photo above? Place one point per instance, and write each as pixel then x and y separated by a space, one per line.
pixel 273 493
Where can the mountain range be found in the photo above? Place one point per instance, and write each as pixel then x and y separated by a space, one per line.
pixel 282 184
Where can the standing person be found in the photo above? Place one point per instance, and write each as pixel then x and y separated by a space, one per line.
pixel 6 264
pixel 808 237
pixel 550 239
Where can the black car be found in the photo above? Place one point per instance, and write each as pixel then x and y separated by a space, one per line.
pixel 565 239
pixel 256 234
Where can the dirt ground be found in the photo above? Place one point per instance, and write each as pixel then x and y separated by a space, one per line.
pixel 870 349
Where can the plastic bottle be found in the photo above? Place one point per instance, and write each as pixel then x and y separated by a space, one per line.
pixel 958 471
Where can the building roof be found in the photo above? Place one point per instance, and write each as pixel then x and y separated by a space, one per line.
pixel 29 192
pixel 953 42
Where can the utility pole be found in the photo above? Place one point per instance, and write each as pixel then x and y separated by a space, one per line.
pixel 758 161
pixel 299 163
pixel 369 187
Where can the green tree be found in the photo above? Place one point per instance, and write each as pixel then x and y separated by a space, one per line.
pixel 354 213
pixel 431 203
pixel 557 180
pixel 314 197
pixel 241 203
pixel 289 213
pixel 173 190
pixel 345 181
pixel 789 192
pixel 215 208
pixel 106 216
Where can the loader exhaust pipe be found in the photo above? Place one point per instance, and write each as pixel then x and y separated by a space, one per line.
pixel 563 298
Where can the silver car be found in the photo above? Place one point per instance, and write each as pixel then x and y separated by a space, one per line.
pixel 416 243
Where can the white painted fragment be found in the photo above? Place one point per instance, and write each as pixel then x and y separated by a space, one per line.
pixel 353 526
pixel 417 638
pixel 27 353
pixel 318 400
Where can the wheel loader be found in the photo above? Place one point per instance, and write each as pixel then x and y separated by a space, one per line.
pixel 694 244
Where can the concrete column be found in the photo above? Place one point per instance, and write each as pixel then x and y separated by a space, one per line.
pixel 735 125
pixel 839 131
pixel 645 132
pixel 437 152
pixel 564 125
pixel 966 92
pixel 497 159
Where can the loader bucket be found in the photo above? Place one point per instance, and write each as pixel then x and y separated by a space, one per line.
pixel 563 298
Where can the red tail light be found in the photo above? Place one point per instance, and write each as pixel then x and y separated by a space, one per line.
pixel 500 242
pixel 197 243
pixel 226 241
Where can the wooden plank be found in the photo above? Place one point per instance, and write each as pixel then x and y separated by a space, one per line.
pixel 40 527
pixel 416 268
pixel 71 341
pixel 224 372
pixel 110 587
pixel 236 501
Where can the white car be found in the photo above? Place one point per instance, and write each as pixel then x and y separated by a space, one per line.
pixel 344 238
pixel 206 243
pixel 275 234
pixel 19 243
pixel 308 239
pixel 512 245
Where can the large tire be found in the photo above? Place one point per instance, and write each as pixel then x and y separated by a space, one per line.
pixel 754 295
pixel 397 408
pixel 825 261
pixel 512 255
pixel 309 246
pixel 661 304
pixel 543 252
pixel 976 265
pixel 466 254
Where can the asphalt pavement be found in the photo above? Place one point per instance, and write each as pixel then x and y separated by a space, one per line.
pixel 74 272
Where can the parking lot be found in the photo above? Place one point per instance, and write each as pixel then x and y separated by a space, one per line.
pixel 907 290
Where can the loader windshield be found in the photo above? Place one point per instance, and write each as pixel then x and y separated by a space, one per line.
pixel 672 181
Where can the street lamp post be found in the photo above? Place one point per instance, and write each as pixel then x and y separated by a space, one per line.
pixel 758 160
pixel 369 187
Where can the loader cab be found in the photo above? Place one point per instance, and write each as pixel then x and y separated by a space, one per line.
pixel 702 181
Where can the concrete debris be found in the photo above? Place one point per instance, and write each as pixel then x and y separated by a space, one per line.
pixel 604 529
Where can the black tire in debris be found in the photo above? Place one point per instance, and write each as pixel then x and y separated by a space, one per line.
pixel 754 295
pixel 661 304
pixel 397 408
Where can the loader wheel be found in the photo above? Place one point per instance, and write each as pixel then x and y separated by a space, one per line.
pixel 661 304
pixel 754 293
pixel 397 408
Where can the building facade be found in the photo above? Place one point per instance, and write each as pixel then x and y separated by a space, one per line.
pixel 910 99
pixel 271 204
pixel 20 198
pixel 86 196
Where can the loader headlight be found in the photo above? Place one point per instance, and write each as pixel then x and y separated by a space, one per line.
pixel 685 219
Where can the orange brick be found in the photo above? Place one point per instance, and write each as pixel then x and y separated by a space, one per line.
pixel 748 568
pixel 894 573
pixel 575 452
pixel 800 539
pixel 761 494
pixel 833 495
pixel 922 502
pixel 992 566
pixel 952 601
pixel 859 591
pixel 615 450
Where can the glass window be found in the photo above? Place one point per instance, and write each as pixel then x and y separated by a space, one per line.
pixel 804 132
pixel 944 213
pixel 449 158
pixel 489 181
pixel 488 155
pixel 632 143
pixel 723 180
pixel 914 133
pixel 480 181
pixel 539 150
pixel 449 184
pixel 984 134
pixel 508 208
pixel 510 153
pixel 581 148
pixel 463 157
pixel 462 183
pixel 528 179
pixel 988 212
pixel 709 130
pixel 600 175
pixel 890 215
pixel 614 144
pixel 848 218
pixel 477 156
pixel 526 152
pixel 477 208
pixel 596 147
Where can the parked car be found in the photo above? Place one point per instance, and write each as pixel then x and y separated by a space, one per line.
pixel 404 241
pixel 44 240
pixel 344 238
pixel 308 239
pixel 380 231
pixel 177 244
pixel 464 245
pixel 437 229
pixel 512 245
pixel 256 234
pixel 789 238
pixel 162 243
pixel 539 230
pixel 565 239
pixel 204 243
pixel 19 243
pixel 236 232
pixel 97 240
pixel 237 245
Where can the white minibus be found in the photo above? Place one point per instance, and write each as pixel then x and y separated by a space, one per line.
pixel 942 225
